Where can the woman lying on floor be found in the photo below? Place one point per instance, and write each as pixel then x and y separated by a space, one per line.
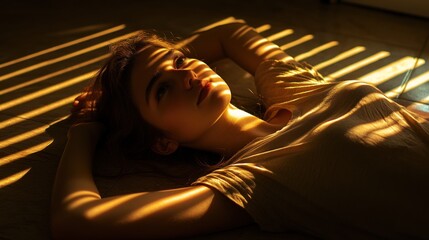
pixel 336 160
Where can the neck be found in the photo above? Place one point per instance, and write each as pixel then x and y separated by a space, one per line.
pixel 234 129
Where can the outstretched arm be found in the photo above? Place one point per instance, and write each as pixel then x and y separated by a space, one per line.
pixel 78 211
pixel 236 41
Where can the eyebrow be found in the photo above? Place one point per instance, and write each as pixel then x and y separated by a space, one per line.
pixel 155 77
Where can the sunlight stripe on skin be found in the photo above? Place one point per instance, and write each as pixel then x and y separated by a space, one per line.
pixel 54 74
pixel 152 207
pixel 301 40
pixel 340 57
pixel 13 178
pixel 64 45
pixel 79 198
pixel 392 70
pixel 65 57
pixel 38 111
pixel 15 156
pixel 352 67
pixel 316 50
pixel 100 209
pixel 48 90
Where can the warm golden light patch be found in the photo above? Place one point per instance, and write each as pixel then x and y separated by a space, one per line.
pixel 249 125
pixel 64 45
pixel 340 57
pixel 257 44
pixel 263 28
pixel 21 137
pixel 156 56
pixel 301 40
pixel 226 90
pixel 53 74
pixel 410 84
pixel 13 178
pixel 377 131
pixel 357 65
pixel 280 34
pixel 265 49
pixel 13 157
pixel 220 22
pixel 316 50
pixel 392 70
pixel 80 198
pixel 104 207
pixel 65 57
pixel 236 113
pixel 160 205
pixel 291 73
pixel 418 81
pixel 38 111
pixel 47 90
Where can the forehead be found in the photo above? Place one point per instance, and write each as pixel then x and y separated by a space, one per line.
pixel 148 62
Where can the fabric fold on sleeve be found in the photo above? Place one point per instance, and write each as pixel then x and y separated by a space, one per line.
pixel 234 182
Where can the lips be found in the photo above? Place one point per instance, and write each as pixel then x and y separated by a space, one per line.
pixel 204 92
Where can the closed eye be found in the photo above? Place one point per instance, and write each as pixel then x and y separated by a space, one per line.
pixel 161 91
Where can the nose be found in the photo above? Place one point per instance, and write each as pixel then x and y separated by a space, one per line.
pixel 187 76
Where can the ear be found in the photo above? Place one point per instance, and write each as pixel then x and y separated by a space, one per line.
pixel 164 146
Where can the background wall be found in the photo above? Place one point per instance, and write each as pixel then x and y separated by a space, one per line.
pixel 413 7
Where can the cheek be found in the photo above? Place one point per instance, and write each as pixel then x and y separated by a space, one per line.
pixel 182 127
pixel 176 115
pixel 221 94
pixel 202 70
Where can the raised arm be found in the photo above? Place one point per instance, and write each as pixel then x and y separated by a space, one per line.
pixel 79 212
pixel 236 41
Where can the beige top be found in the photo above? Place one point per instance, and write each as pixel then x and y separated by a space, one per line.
pixel 350 164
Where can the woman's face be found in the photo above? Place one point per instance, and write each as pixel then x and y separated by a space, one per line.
pixel 182 97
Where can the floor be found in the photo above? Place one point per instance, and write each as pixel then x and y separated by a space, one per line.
pixel 49 50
